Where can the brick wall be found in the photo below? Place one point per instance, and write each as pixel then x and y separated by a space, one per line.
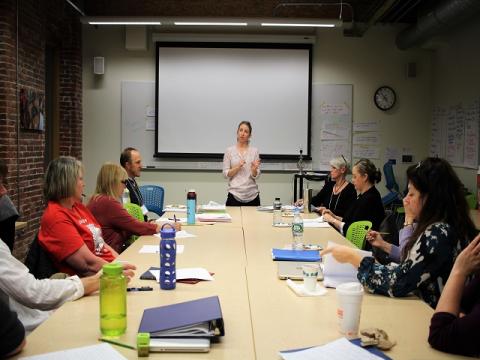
pixel 40 22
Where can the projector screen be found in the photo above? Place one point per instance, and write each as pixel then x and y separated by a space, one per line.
pixel 204 90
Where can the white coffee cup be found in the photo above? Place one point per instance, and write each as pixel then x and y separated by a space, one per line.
pixel 310 275
pixel 349 296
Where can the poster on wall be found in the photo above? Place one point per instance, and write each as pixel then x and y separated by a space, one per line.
pixel 32 110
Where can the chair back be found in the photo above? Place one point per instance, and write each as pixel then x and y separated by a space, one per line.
pixel 135 211
pixel 356 232
pixel 390 182
pixel 471 201
pixel 39 262
pixel 153 198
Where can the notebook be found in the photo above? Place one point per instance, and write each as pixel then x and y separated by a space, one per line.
pixel 295 255
pixel 179 345
pixel 197 318
pixel 293 270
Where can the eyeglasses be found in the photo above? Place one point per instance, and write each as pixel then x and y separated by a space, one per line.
pixel 343 157
pixel 124 182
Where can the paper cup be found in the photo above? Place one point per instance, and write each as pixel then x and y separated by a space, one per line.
pixel 349 296
pixel 310 274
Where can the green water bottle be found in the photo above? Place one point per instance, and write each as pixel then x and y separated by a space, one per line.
pixel 113 300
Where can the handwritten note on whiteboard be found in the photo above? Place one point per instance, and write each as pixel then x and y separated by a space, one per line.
pixel 472 123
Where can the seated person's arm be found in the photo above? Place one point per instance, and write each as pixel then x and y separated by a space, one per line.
pixel 84 262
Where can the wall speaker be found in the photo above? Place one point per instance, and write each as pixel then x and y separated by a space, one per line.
pixel 99 65
pixel 412 70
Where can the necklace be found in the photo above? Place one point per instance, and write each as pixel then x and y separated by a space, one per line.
pixel 337 187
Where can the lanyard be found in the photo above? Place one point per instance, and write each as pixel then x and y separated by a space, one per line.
pixel 136 190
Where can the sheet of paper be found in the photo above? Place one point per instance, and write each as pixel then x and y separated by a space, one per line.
pixel 155 249
pixel 316 224
pixel 180 235
pixel 335 273
pixel 366 126
pixel 187 273
pixel 181 220
pixel 340 349
pixel 92 352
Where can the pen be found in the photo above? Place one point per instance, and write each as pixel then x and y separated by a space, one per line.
pixel 118 343
pixel 175 217
pixel 143 288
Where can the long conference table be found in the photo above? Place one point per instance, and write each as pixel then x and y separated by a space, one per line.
pixel 262 315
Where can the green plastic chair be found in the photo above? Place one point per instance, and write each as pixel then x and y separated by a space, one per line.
pixel 135 211
pixel 471 201
pixel 356 233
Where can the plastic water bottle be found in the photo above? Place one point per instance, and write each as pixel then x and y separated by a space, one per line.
pixel 113 300
pixel 191 206
pixel 297 229
pixel 168 255
pixel 126 196
pixel 277 211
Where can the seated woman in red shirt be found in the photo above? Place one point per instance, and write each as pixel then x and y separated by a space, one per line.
pixel 117 224
pixel 455 323
pixel 68 230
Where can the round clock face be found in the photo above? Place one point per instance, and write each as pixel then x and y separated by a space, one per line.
pixel 384 98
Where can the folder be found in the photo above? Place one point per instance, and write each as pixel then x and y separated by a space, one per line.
pixel 196 318
pixel 295 255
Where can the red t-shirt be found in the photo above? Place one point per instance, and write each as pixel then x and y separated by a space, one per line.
pixel 63 231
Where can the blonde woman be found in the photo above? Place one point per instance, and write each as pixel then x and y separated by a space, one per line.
pixel 117 224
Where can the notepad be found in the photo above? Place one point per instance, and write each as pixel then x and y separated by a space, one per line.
pixel 295 255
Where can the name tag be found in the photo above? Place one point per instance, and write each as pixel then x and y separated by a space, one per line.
pixel 144 210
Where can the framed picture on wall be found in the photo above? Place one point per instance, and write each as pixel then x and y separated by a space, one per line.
pixel 32 110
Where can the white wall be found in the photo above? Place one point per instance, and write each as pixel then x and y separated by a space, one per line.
pixel 367 63
pixel 457 77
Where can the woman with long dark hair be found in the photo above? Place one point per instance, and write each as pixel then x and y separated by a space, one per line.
pixel 443 228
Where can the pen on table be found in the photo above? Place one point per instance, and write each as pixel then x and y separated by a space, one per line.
pixel 118 343
pixel 175 217
pixel 143 288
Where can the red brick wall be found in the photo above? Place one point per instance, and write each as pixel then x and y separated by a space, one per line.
pixel 39 22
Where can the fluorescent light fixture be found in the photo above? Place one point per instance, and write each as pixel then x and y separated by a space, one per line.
pixel 125 23
pixel 205 23
pixel 298 25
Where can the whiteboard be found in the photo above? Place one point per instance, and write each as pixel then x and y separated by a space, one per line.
pixel 138 102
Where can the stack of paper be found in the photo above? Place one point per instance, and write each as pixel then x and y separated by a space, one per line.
pixel 212 206
pixel 214 217
pixel 336 273
pixel 175 208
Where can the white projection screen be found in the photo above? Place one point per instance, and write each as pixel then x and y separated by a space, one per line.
pixel 204 90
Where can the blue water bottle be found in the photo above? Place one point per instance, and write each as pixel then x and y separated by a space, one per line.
pixel 191 206
pixel 168 254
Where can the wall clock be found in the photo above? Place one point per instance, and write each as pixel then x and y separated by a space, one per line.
pixel 385 98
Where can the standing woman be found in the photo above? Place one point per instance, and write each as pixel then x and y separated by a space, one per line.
pixel 368 205
pixel 241 166
pixel 117 224
pixel 69 232
pixel 443 228
pixel 338 194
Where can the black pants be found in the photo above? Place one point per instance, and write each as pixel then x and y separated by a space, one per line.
pixel 231 201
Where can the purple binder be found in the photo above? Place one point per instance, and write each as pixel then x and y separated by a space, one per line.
pixel 170 317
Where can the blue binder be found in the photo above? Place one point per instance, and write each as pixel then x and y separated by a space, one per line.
pixel 196 318
pixel 295 255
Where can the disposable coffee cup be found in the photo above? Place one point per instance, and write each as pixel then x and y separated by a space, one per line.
pixel 310 274
pixel 349 296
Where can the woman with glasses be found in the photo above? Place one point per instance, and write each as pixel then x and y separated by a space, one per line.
pixel 117 224
pixel 368 203
pixel 68 230
pixel 338 194
pixel 442 229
